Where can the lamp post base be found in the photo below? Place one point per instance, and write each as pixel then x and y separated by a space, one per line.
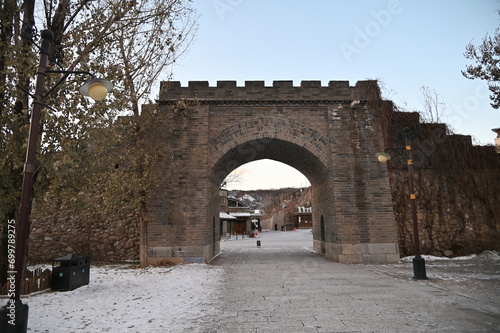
pixel 14 317
pixel 419 268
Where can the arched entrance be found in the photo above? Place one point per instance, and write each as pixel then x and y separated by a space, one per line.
pixel 327 133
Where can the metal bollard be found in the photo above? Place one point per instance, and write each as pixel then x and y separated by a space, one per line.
pixel 258 243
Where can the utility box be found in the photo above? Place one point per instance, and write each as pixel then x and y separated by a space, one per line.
pixel 70 272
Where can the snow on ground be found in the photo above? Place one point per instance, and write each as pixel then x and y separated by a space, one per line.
pixel 124 299
pixel 473 276
pixel 467 272
pixel 183 298
pixel 486 255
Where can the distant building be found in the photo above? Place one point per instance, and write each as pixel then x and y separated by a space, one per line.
pixel 236 217
pixel 224 217
pixel 303 217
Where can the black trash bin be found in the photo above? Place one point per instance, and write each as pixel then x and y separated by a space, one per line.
pixel 70 272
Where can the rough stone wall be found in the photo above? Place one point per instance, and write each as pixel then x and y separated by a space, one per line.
pixel 56 234
pixel 456 184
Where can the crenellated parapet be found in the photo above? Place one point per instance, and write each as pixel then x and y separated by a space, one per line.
pixel 279 92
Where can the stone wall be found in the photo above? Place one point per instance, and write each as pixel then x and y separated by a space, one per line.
pixel 456 184
pixel 105 239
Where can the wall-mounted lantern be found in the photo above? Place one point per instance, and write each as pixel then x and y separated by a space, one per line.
pixel 497 139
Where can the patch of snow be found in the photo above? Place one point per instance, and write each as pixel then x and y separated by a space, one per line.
pixel 486 255
pixel 489 255
pixel 426 257
pixel 124 299
pixel 40 266
pixel 469 257
pixel 249 198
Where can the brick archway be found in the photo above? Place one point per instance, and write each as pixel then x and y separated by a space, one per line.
pixel 327 133
pixel 273 138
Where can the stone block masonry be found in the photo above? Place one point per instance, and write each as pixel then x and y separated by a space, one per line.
pixel 326 132
pixel 104 239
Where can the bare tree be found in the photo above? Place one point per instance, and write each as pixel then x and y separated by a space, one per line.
pixel 235 177
pixel 434 107
pixel 132 43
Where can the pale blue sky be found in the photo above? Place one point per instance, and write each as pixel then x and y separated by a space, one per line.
pixel 404 44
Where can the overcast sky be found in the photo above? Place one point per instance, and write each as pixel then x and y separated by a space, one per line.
pixel 403 44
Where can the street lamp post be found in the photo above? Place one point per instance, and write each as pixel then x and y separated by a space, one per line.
pixel 419 272
pixel 15 313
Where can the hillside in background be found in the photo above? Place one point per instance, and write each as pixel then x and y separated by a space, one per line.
pixel 274 201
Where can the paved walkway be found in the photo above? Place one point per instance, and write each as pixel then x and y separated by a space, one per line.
pixel 284 287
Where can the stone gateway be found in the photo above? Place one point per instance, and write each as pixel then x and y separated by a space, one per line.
pixel 329 133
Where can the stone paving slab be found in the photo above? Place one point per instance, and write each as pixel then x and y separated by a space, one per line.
pixel 291 289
